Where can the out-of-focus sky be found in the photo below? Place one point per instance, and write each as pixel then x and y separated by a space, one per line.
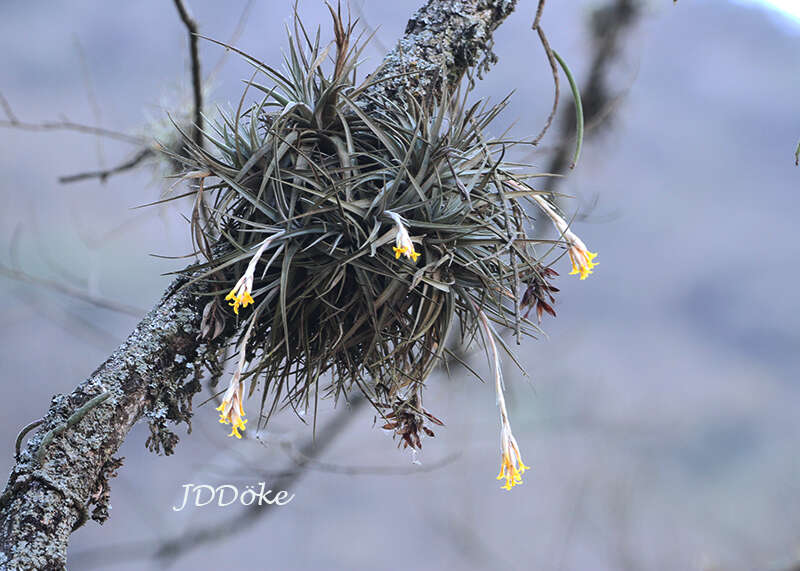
pixel 660 414
pixel 789 8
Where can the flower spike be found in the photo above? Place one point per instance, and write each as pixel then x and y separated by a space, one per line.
pixel 580 256
pixel 511 465
pixel 231 411
pixel 403 244
pixel 241 292
pixel 582 259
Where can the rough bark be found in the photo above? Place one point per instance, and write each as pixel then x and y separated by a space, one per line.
pixel 52 487
pixel 154 373
pixel 442 40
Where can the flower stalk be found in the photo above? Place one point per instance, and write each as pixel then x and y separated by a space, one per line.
pixel 231 411
pixel 403 244
pixel 582 259
pixel 241 294
pixel 511 465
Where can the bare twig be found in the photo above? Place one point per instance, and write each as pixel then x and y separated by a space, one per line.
pixel 358 8
pixel 103 175
pixel 13 122
pixel 92 98
pixel 65 125
pixel 197 78
pixel 12 118
pixel 22 434
pixel 551 59
pixel 609 27
pixel 310 463
pixel 61 287
pixel 572 520
pixel 313 448
pixel 170 550
pixel 234 37
pixel 304 459
pixel 568 140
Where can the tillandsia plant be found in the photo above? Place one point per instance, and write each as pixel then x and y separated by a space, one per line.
pixel 351 234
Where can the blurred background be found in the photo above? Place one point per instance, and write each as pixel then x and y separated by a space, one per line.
pixel 659 416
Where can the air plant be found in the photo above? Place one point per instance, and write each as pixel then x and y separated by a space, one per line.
pixel 351 234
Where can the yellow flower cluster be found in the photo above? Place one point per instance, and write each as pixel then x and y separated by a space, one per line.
pixel 403 244
pixel 240 294
pixel 582 260
pixel 409 252
pixel 231 411
pixel 511 466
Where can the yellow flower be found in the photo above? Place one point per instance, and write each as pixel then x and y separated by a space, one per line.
pixel 403 244
pixel 231 411
pixel 240 294
pixel 511 465
pixel 582 259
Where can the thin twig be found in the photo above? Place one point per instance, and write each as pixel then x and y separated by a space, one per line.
pixel 372 32
pixel 74 419
pixel 551 59
pixel 310 463
pixel 569 533
pixel 197 78
pixel 7 109
pixel 568 141
pixel 22 434
pixel 234 37
pixel 70 126
pixel 609 26
pixel 13 122
pixel 61 287
pixel 170 550
pixel 91 96
pixel 105 173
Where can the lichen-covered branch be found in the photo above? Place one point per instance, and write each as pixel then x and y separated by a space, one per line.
pixel 61 474
pixel 442 40
pixel 155 372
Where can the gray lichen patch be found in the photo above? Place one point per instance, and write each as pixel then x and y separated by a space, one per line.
pixel 153 373
pixel 449 36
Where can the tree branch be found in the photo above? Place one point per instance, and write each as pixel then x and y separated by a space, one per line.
pixel 147 376
pixel 51 486
pixel 442 40
pixel 197 78
pixel 103 174
pixel 61 287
